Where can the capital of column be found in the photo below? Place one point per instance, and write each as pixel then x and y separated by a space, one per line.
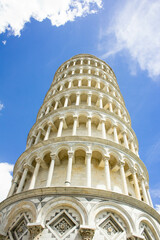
pixel 39 160
pixel 87 232
pixel 121 163
pixel 28 166
pixel 70 154
pixel 35 229
pixel 88 154
pixel 50 123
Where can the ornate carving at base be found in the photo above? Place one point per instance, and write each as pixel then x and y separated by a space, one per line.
pixel 35 229
pixel 87 232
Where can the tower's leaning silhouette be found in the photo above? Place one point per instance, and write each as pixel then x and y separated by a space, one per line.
pixel 80 176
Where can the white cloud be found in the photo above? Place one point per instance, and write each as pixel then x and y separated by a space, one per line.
pixel 4 42
pixel 1 106
pixel 5 179
pixel 157 208
pixel 15 13
pixel 135 27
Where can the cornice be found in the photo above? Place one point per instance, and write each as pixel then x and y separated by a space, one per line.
pixel 83 192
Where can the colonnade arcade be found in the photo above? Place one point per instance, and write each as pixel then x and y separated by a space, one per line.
pixel 83 124
pixel 85 98
pixel 81 166
pixel 83 81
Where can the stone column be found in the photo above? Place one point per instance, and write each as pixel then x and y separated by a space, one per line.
pixel 75 125
pixel 100 101
pixel 69 84
pixel 56 105
pixel 77 99
pixel 98 85
pixel 145 197
pixel 23 178
pixel 119 112
pixel 31 141
pixel 51 169
pixel 107 89
pixel 61 87
pixel 48 108
pixel 89 99
pixel 88 169
pixel 107 172
pixel 89 126
pixel 81 61
pixel 110 107
pixel 38 136
pixel 35 173
pixel 66 101
pixel 125 188
pixel 59 133
pixel 149 196
pixel 137 190
pixel 69 168
pixel 14 184
pixel 79 83
pixel 89 82
pixel 132 146
pixel 125 139
pixel 48 131
pixel 115 133
pixel 103 128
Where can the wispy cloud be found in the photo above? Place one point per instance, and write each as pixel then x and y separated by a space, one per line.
pixel 15 13
pixel 4 42
pixel 135 27
pixel 5 179
pixel 1 106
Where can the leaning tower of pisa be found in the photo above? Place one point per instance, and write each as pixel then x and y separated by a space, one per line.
pixel 80 177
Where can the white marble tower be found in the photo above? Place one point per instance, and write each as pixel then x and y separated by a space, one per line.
pixel 80 176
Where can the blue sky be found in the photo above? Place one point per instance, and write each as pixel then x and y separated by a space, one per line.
pixel 35 39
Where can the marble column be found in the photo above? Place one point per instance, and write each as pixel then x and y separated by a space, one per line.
pixel 59 133
pixel 77 99
pixel 66 101
pixel 48 108
pixel 75 125
pixel 48 131
pixel 89 99
pixel 103 128
pixel 69 84
pixel 79 83
pixel 124 182
pixel 38 135
pixel 89 82
pixel 56 105
pixel 119 112
pixel 132 146
pixel 136 185
pixel 69 168
pixel 14 184
pixel 110 107
pixel 88 168
pixel 31 141
pixel 23 178
pixel 89 126
pixel 107 172
pixel 125 139
pixel 35 173
pixel 144 192
pixel 115 133
pixel 51 169
pixel 100 101
pixel 149 196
